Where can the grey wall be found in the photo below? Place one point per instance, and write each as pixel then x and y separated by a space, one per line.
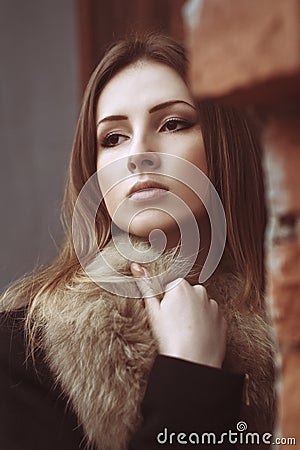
pixel 39 95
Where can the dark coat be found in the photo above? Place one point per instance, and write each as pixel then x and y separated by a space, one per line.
pixel 181 397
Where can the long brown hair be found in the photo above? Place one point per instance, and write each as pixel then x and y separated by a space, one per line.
pixel 233 156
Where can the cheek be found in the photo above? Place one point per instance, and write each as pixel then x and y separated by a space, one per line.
pixel 103 161
pixel 193 151
pixel 109 193
pixel 191 148
pixel 111 179
pixel 196 153
pixel 111 203
pixel 114 199
pixel 116 203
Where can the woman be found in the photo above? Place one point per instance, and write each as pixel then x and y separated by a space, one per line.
pixel 105 367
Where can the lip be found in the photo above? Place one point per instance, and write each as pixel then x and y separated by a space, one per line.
pixel 147 190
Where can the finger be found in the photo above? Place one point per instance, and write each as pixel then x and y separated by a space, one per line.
pixel 200 289
pixel 174 283
pixel 142 279
pixel 214 303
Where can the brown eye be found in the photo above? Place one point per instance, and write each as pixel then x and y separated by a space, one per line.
pixel 112 140
pixel 172 125
pixel 175 125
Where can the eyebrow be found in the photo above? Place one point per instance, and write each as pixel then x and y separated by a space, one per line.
pixel 152 110
pixel 169 103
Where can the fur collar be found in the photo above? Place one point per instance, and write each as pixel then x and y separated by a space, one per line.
pixel 100 348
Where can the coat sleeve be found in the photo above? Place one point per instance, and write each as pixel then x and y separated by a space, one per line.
pixel 186 404
pixel 33 413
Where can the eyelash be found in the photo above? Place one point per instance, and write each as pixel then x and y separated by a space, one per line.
pixel 104 142
pixel 186 125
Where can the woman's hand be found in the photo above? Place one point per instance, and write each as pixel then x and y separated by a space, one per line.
pixel 186 323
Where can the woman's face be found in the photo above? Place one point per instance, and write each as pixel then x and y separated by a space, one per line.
pixel 147 123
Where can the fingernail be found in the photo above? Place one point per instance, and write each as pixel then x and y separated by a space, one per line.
pixel 138 270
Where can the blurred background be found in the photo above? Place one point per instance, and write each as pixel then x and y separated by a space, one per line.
pixel 48 50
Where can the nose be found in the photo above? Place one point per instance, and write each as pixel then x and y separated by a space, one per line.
pixel 142 162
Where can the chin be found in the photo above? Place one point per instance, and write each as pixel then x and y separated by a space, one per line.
pixel 147 221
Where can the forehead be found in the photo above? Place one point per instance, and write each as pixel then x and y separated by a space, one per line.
pixel 143 84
